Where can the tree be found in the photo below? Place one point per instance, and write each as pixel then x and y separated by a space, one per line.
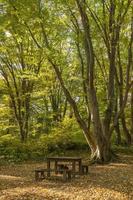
pixel 100 146
pixel 20 63
pixel 82 43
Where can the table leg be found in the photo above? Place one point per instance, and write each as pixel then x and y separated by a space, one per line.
pixel 80 167
pixel 73 168
pixel 56 162
pixel 48 168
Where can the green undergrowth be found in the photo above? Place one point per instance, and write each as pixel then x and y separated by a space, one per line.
pixel 67 137
pixel 123 149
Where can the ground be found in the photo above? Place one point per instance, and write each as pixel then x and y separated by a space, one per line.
pixel 112 181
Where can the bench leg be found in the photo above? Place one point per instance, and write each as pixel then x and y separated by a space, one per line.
pixel 74 168
pixel 69 175
pixel 39 175
pixel 36 176
pixel 48 167
pixel 87 170
pixel 56 166
pixel 84 170
pixel 64 175
pixel 42 175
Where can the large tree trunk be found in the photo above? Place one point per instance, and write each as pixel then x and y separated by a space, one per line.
pixel 102 154
pixel 99 146
pixel 102 150
pixel 73 104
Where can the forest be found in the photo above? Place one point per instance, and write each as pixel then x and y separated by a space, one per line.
pixel 66 75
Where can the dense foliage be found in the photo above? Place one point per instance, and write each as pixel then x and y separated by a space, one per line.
pixel 65 69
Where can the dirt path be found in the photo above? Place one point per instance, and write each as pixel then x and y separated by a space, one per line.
pixel 105 182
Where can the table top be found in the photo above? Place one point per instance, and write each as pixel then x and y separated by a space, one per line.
pixel 64 158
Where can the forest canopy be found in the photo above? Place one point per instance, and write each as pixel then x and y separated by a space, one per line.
pixel 66 72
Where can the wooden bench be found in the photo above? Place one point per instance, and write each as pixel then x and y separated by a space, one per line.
pixel 41 174
pixel 84 168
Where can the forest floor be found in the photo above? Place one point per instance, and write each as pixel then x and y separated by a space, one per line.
pixel 104 182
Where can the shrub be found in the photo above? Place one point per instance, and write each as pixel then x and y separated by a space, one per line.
pixel 13 150
pixel 66 136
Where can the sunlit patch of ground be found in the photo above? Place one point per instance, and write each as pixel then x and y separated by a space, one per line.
pixel 7 177
pixel 104 182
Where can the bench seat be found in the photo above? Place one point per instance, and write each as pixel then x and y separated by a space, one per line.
pixel 41 174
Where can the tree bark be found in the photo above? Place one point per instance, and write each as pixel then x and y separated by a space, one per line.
pixel 102 152
pixel 125 130
pixel 79 119
pixel 117 126
pixel 132 114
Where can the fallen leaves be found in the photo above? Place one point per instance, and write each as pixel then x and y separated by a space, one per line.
pixel 107 182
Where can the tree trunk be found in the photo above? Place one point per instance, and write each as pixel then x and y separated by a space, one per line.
pixel 103 153
pixel 132 113
pixel 23 119
pixel 125 130
pixel 102 150
pixel 118 136
pixel 117 126
pixel 23 134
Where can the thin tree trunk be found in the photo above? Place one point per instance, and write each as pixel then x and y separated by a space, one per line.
pixel 118 137
pixel 117 126
pixel 132 114
pixel 125 130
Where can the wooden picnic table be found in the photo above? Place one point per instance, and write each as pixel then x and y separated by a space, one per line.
pixel 70 160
